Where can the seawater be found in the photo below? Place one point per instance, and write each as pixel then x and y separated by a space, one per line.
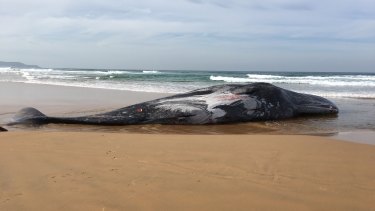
pixel 353 93
pixel 327 84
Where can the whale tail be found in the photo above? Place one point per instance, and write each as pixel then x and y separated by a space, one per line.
pixel 30 116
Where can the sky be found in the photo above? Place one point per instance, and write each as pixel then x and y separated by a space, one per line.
pixel 247 35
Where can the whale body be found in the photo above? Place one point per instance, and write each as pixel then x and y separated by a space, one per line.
pixel 220 104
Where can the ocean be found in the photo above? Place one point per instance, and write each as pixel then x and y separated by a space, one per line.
pixel 326 84
pixel 353 93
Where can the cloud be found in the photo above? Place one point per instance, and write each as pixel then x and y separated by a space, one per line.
pixel 297 6
pixel 196 1
pixel 137 28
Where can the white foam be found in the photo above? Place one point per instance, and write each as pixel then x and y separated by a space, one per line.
pixel 230 79
pixel 151 71
pixel 5 69
pixel 356 86
pixel 117 72
pixel 335 94
pixel 329 81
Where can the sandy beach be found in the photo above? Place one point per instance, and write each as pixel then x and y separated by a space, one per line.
pixel 109 171
pixel 83 168
pixel 192 105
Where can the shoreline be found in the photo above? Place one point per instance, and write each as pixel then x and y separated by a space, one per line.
pixel 49 92
pixel 55 100
pixel 359 137
pixel 150 92
pixel 63 100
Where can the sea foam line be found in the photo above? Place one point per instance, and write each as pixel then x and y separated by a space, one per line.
pixel 345 80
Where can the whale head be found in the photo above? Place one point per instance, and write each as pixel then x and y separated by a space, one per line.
pixel 311 105
pixel 262 101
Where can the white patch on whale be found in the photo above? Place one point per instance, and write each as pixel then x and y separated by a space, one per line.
pixel 186 104
pixel 176 107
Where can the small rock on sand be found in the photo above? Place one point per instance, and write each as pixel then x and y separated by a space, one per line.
pixel 3 129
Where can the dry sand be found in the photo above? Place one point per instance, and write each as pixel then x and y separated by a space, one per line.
pixel 109 171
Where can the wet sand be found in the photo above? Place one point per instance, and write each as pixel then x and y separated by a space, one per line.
pixel 64 99
pixel 112 171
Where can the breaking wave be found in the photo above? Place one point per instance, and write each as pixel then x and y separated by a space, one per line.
pixel 324 84
pixel 338 80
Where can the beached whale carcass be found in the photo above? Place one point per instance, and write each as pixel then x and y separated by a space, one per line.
pixel 228 103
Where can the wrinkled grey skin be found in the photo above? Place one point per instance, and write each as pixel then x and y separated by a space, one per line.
pixel 212 105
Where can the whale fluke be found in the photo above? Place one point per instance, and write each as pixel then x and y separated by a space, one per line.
pixel 30 116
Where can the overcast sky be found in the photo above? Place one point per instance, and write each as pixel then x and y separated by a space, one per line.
pixel 254 35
